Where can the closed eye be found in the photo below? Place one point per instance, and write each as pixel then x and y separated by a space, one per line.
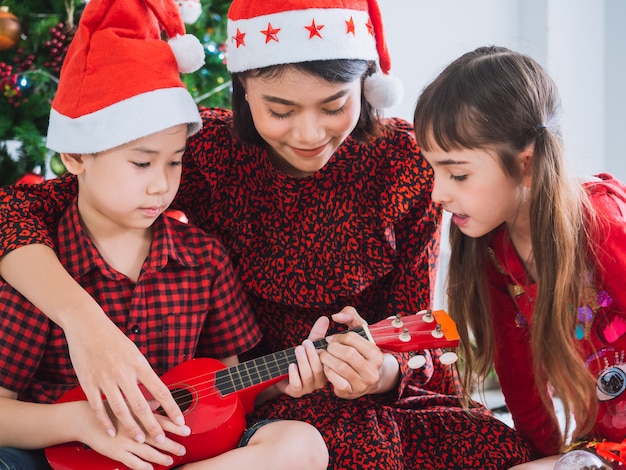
pixel 335 112
pixel 276 115
pixel 458 177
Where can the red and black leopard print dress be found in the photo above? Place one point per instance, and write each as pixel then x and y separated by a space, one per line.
pixel 363 232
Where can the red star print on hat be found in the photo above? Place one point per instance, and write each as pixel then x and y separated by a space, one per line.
pixel 120 80
pixel 263 33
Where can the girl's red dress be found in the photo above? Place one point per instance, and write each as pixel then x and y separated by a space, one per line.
pixel 601 328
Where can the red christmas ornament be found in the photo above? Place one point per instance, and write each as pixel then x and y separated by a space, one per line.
pixel 10 29
pixel 178 215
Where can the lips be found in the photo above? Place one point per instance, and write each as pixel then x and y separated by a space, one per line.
pixel 460 219
pixel 309 152
pixel 152 211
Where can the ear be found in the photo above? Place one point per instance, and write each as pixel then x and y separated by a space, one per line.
pixel 73 162
pixel 526 161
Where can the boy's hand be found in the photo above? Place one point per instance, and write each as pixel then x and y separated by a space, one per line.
pixel 108 363
pixel 124 447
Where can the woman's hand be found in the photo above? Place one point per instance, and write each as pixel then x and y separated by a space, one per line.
pixel 354 365
pixel 308 374
pixel 109 367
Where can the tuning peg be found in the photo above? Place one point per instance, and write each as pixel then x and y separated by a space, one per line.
pixel 397 321
pixel 427 315
pixel 416 361
pixel 448 357
pixel 437 333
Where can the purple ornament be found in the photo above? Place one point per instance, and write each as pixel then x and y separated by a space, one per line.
pixel 585 314
pixel 604 299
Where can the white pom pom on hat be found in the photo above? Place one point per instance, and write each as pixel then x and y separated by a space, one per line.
pixel 188 51
pixel 273 32
pixel 383 91
pixel 120 80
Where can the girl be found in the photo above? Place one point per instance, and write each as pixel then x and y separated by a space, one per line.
pixel 322 204
pixel 537 262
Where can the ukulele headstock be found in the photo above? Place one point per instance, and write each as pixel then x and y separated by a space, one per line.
pixel 427 329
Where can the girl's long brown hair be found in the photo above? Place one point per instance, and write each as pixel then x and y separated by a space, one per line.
pixel 497 98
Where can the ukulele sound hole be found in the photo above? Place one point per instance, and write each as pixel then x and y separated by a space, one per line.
pixel 183 398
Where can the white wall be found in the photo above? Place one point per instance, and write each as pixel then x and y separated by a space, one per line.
pixel 581 43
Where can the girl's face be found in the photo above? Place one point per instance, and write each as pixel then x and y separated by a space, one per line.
pixel 303 119
pixel 473 187
pixel 131 185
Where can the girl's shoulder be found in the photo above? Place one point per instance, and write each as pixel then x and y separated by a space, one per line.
pixel 607 195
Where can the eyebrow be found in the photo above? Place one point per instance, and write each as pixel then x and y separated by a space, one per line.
pixel 277 100
pixel 155 151
pixel 451 162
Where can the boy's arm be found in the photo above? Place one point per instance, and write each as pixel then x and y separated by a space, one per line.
pixel 35 271
pixel 74 422
pixel 21 423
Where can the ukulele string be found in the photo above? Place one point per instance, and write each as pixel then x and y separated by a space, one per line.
pixel 209 388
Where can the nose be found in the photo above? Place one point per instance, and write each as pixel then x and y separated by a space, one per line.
pixel 159 181
pixel 440 193
pixel 308 128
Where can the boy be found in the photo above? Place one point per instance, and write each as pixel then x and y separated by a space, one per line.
pixel 120 121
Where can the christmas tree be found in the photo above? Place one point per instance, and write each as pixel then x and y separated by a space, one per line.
pixel 34 36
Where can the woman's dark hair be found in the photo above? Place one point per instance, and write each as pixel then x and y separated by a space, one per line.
pixel 332 71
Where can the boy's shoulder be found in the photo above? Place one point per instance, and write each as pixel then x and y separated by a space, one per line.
pixel 192 242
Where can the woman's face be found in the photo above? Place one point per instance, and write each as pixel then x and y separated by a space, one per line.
pixel 303 118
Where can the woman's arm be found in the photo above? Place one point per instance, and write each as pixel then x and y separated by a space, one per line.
pixel 107 363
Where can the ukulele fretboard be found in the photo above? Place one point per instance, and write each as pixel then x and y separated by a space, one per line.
pixel 259 370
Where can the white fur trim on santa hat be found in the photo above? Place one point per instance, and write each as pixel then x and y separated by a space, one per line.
pixel 123 121
pixel 290 37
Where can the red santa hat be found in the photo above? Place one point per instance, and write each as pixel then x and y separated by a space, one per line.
pixel 262 33
pixel 120 80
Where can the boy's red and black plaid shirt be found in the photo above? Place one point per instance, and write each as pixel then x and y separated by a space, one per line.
pixel 186 303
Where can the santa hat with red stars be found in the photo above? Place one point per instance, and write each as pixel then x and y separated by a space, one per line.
pixel 262 33
pixel 120 80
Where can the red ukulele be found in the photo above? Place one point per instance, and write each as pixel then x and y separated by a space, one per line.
pixel 215 399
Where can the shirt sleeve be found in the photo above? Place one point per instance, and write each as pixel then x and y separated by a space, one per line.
pixel 608 199
pixel 30 213
pixel 23 333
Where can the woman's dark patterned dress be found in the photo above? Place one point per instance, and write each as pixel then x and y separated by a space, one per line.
pixel 363 232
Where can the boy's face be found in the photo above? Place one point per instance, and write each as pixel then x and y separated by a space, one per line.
pixel 131 185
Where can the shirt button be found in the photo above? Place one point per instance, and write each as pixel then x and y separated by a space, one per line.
pixel 135 329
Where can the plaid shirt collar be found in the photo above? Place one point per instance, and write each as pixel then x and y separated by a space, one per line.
pixel 79 255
